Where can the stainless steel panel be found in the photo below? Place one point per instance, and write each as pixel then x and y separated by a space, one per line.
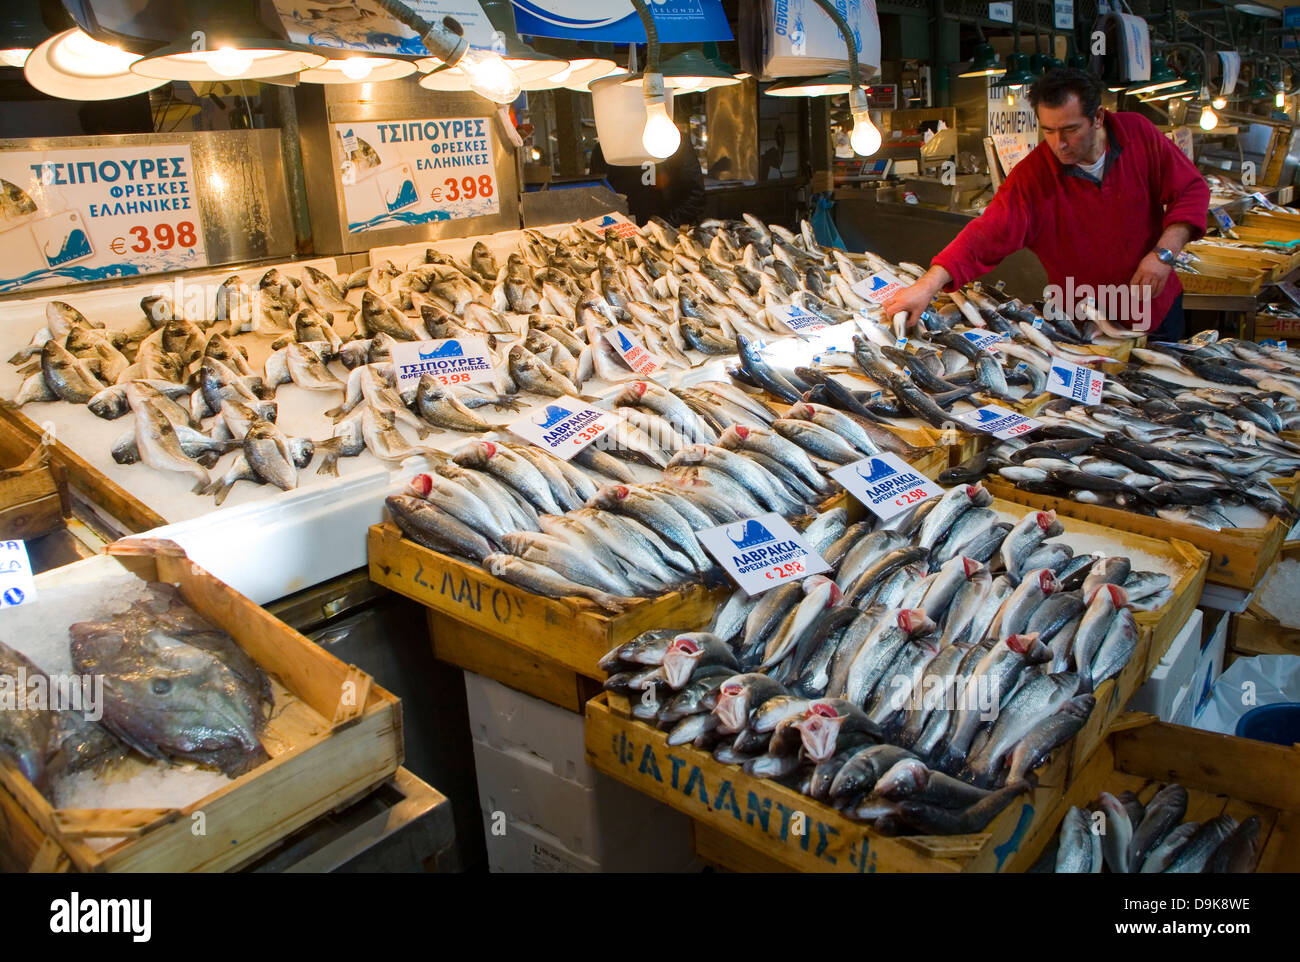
pixel 541 207
pixel 322 105
pixel 239 176
pixel 732 131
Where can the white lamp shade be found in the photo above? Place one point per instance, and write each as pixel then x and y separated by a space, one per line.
pixel 75 66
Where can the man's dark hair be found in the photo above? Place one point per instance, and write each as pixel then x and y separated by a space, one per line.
pixel 1054 87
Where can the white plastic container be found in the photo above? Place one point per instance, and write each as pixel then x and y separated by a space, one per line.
pixel 620 115
pixel 1159 694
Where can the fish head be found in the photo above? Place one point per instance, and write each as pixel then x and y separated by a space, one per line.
pixel 1045 519
pixel 680 659
pixel 732 709
pixel 915 621
pixel 801 410
pixel 819 730
pixel 906 778
pixel 420 486
pixel 972 568
pixel 820 582
pixel 1022 644
pixel 1047 581
pixel 1118 594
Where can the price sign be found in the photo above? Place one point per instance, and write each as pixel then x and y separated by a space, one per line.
pixel 623 227
pixel 761 553
pixel 1224 221
pixel 1001 12
pixel 878 288
pixel 1076 382
pixel 564 426
pixel 1264 201
pixel 999 422
pixel 886 484
pixel 983 340
pixel 453 361
pixel 16 584
pixel 633 354
pixel 797 319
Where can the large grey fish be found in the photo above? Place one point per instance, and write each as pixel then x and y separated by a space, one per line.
pixel 441 407
pixel 1163 855
pixel 511 468
pixel 533 374
pixel 68 376
pixel 1195 856
pixel 1051 733
pixel 429 525
pixel 158 444
pixel 1024 539
pixel 1078 847
pixel 1031 703
pixel 1165 810
pixel 654 513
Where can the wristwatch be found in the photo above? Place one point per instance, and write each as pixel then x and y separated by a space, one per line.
pixel 1164 254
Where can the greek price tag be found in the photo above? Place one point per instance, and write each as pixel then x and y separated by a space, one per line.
pixel 1075 382
pixel 983 340
pixel 879 287
pixel 886 484
pixel 999 422
pixel 16 584
pixel 463 360
pixel 1264 201
pixel 564 426
pixel 761 553
pixel 901 343
pixel 1038 323
pixel 1224 221
pixel 633 354
pixel 797 319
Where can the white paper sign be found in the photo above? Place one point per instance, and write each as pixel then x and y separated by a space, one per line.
pixel 1001 12
pixel 623 227
pixel 1076 382
pixel 761 553
pixel 564 426
pixel 878 288
pixel 1012 125
pixel 797 319
pixel 1231 63
pixel 1264 201
pixel 634 355
pixel 96 213
pixel 16 584
pixel 886 484
pixel 416 172
pixel 1063 14
pixel 465 360
pixel 983 340
pixel 999 422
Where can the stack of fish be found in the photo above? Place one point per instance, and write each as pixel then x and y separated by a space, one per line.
pixel 1123 835
pixel 919 686
pixel 1165 444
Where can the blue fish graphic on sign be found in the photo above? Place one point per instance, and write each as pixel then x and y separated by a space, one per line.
pixel 986 416
pixel 876 470
pixel 878 282
pixel 749 534
pixel 74 246
pixel 624 344
pixel 551 416
pixel 406 196
pixel 450 349
pixel 1062 375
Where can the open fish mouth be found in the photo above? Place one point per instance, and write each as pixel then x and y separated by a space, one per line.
pixel 819 731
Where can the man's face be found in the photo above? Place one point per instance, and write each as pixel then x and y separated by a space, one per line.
pixel 1069 133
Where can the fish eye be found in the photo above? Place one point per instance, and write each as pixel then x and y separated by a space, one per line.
pixel 161 686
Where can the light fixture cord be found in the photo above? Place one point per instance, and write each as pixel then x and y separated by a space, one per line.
pixel 651 36
pixel 850 41
pixel 405 15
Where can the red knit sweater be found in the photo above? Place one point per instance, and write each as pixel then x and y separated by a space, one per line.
pixel 1096 234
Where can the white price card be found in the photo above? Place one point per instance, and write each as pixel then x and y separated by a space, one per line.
pixel 1264 201
pixel 623 227
pixel 999 422
pixel 458 360
pixel 878 288
pixel 886 484
pixel 797 319
pixel 1076 382
pixel 16 584
pixel 564 426
pixel 634 355
pixel 983 340
pixel 761 553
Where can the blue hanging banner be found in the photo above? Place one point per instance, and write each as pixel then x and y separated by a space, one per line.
pixel 615 21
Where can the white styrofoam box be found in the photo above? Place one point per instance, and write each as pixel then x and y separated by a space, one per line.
pixel 1174 672
pixel 1183 712
pixel 509 720
pixel 527 849
pixel 1209 663
pixel 1224 598
pixel 615 826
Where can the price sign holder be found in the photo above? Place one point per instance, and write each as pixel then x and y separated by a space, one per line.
pixel 886 484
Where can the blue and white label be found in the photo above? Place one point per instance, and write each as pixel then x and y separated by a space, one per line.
pixel 1264 201
pixel 798 319
pixel 564 426
pixel 999 422
pixel 16 584
pixel 886 484
pixel 623 227
pixel 761 553
pixel 632 352
pixel 1221 216
pixel 453 361
pixel 983 340
pixel 1075 382
pixel 879 287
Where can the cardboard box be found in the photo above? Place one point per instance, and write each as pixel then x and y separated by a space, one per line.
pixel 507 720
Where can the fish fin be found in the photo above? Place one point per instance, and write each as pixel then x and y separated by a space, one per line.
pixel 27 369
pixel 208 459
pixel 329 465
pixel 588 398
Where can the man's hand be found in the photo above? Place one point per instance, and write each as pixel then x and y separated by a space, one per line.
pixel 1153 273
pixel 915 299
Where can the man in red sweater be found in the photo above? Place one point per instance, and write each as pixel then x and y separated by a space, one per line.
pixel 1105 201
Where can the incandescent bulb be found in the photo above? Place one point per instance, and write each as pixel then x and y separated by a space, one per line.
pixel 230 62
pixel 15 57
pixel 1219 103
pixel 660 136
pixel 357 68
pixel 1280 100
pixel 1209 119
pixel 490 76
pixel 865 139
pixel 1011 99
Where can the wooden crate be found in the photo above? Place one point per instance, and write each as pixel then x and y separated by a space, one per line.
pixel 1222 774
pixel 1120 352
pixel 1239 557
pixel 334 736
pixel 1224 280
pixel 1269 327
pixel 760 815
pixel 1257 632
pixel 570 632
pixel 33 496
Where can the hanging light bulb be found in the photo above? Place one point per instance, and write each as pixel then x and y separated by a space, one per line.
pixel 660 136
pixel 1209 119
pixel 1219 103
pixel 1279 99
pixel 15 56
pixel 357 68
pixel 75 66
pixel 230 62
pixel 865 139
pixel 490 76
